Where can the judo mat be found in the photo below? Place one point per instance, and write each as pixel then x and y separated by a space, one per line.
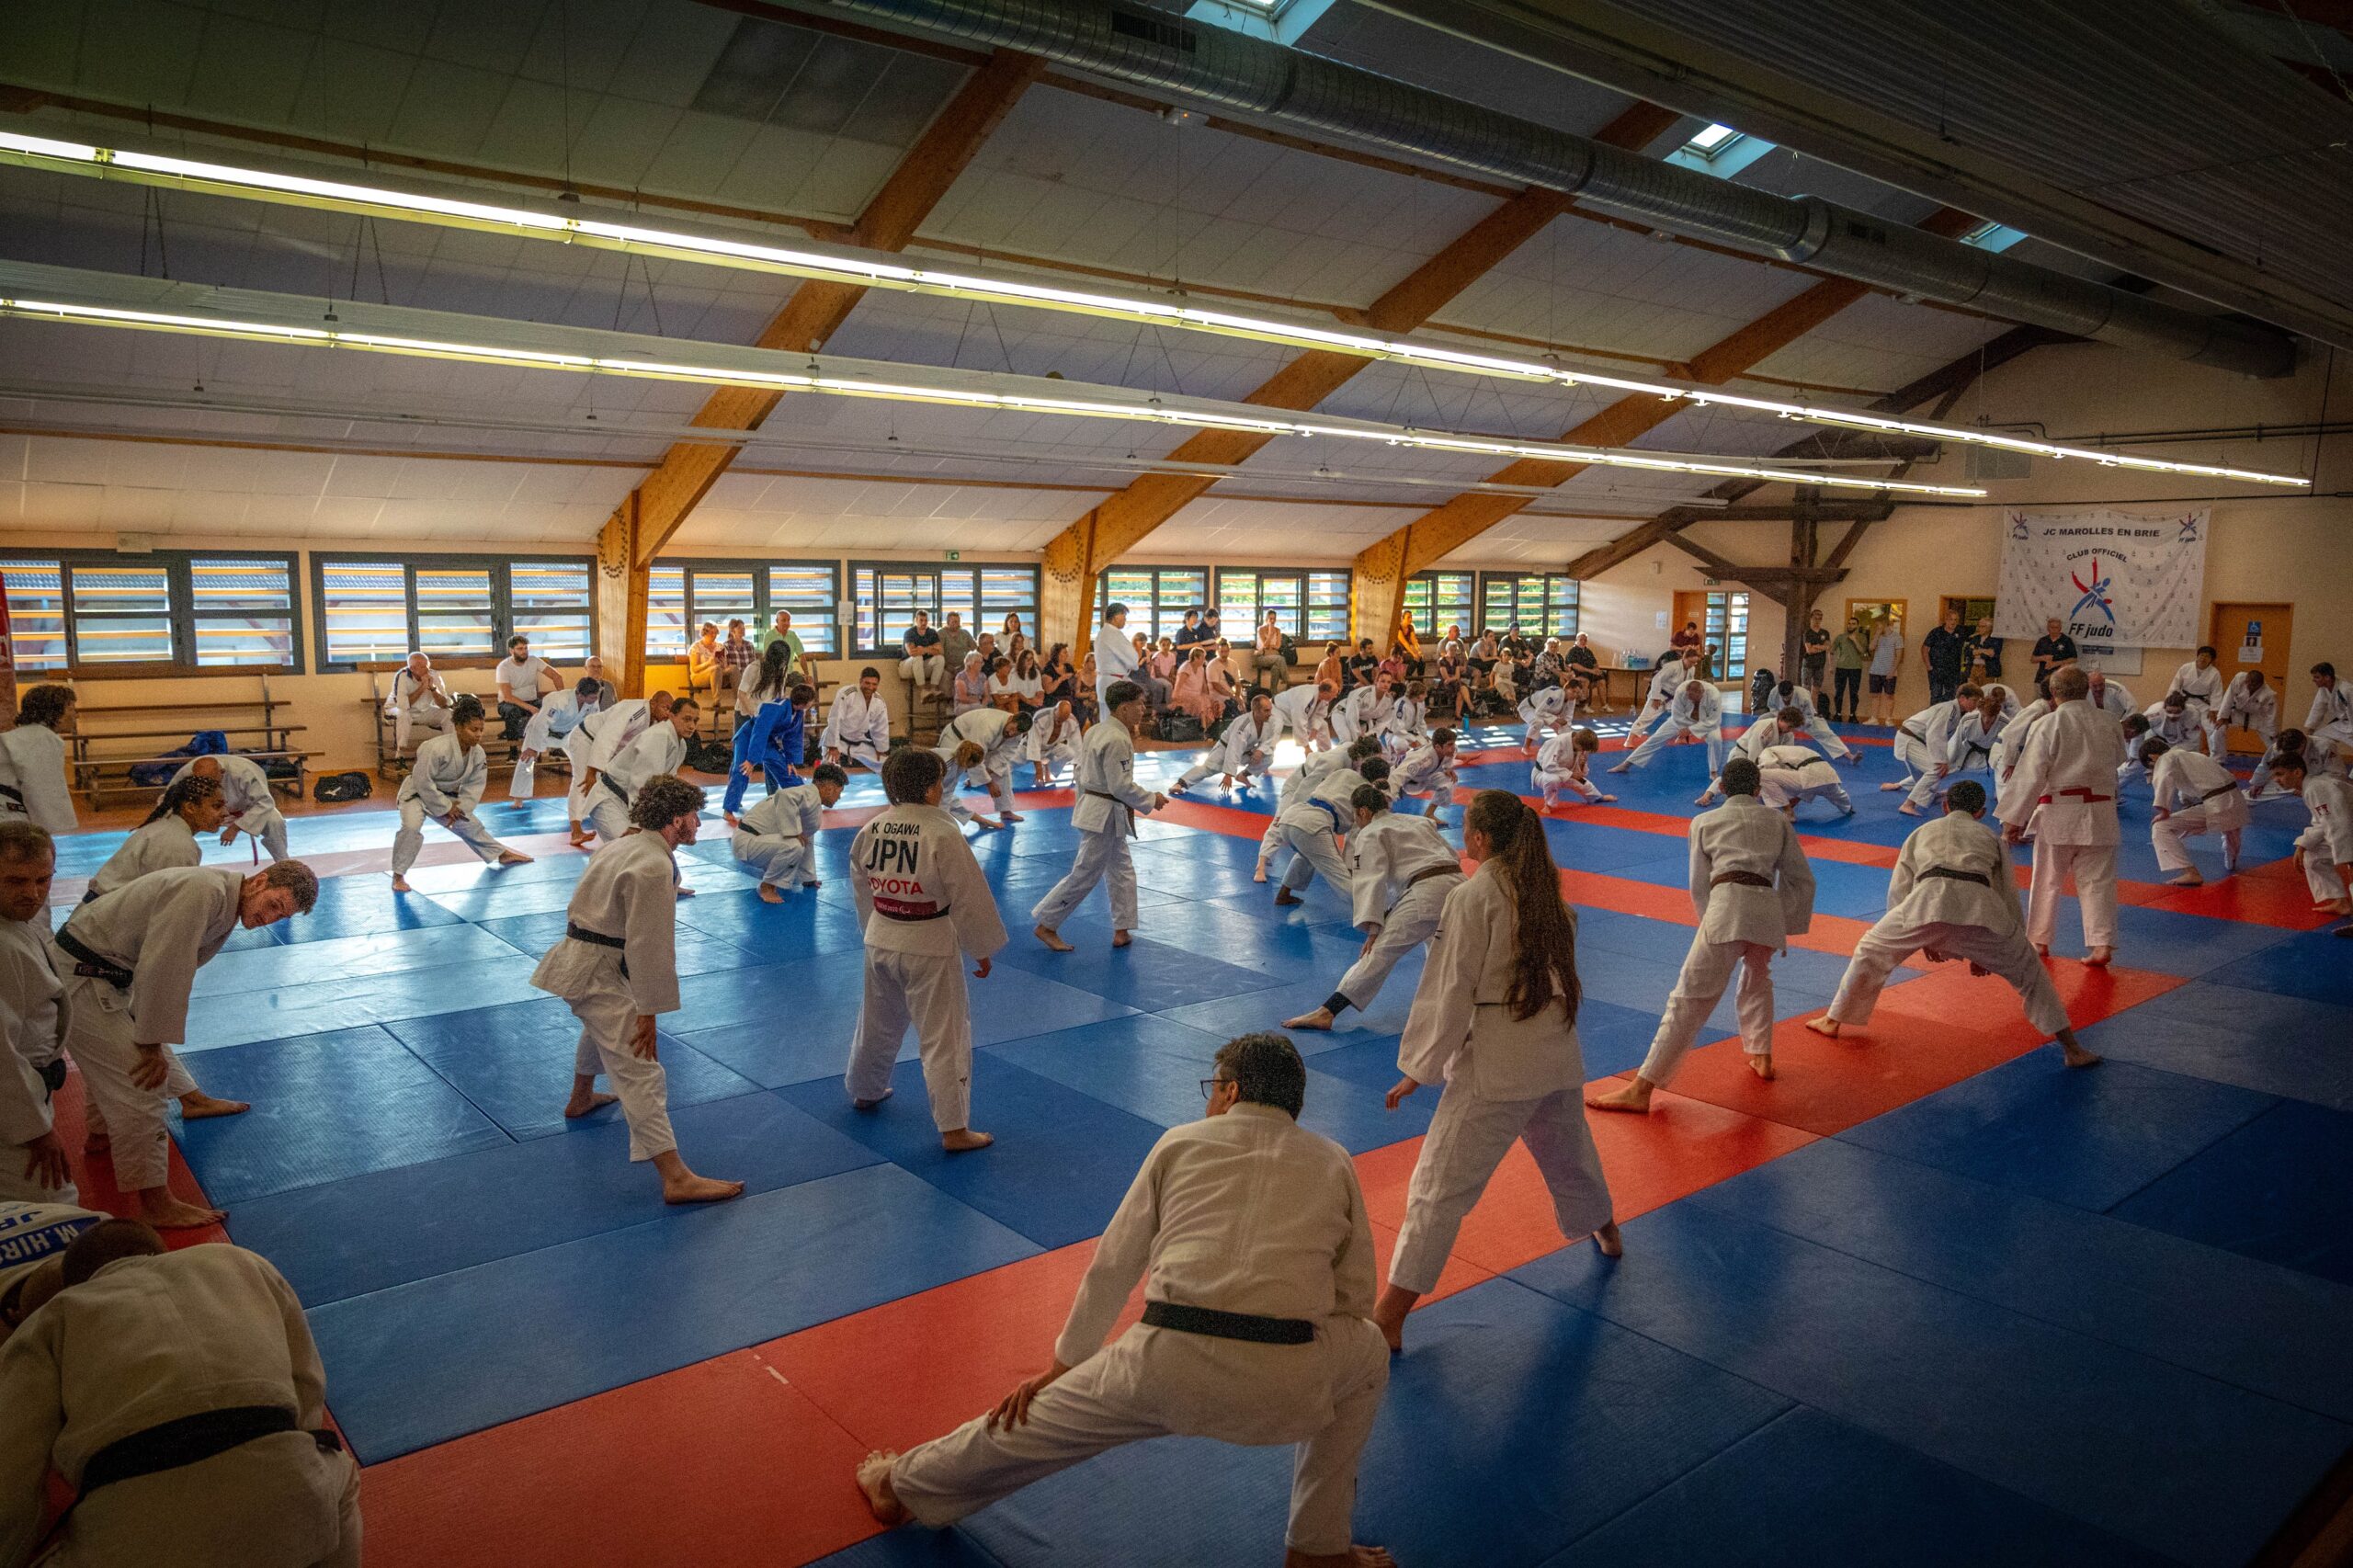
pixel 1926 1297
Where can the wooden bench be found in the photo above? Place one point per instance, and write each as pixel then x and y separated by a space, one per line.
pixel 99 773
pixel 392 764
pixel 100 777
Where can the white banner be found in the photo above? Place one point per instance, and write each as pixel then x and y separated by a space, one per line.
pixel 2113 579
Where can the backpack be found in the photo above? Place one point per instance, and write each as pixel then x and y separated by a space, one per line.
pixel 1181 727
pixel 332 788
pixel 711 756
pixel 156 774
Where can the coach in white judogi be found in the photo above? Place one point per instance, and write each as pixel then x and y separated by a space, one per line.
pixel 419 700
pixel 1246 751
pixel 1002 736
pixel 1753 891
pixel 1789 776
pixel 2195 794
pixel 661 748
pixel 858 727
pixel 245 797
pixel 1115 656
pixel 444 783
pixel 2062 790
pixel 1401 871
pixel 1698 710
pixel 1109 798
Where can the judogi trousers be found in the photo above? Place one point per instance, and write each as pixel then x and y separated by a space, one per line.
pixel 469 830
pixel 777 858
pixel 1671 730
pixel 1826 738
pixel 1214 763
pixel 1885 946
pixel 1468 1138
pixel 1409 923
pixel 1707 970
pixel 277 1502
pixel 1000 789
pixel 1315 849
pixel 2170 837
pixel 177 1081
pixel 1550 783
pixel 607 813
pixel 926 990
pixel 606 1016
pixel 104 1047
pixel 2094 868
pixel 1101 854
pixel 265 824
pixel 2321 877
pixel 1159 1382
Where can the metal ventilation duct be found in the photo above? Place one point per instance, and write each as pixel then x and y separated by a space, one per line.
pixel 1162 51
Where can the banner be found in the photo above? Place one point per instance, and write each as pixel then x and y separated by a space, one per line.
pixel 2112 579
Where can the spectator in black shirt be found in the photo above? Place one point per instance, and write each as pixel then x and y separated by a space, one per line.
pixel 2053 649
pixel 1360 665
pixel 1946 657
pixel 1192 631
pixel 1817 651
pixel 1581 653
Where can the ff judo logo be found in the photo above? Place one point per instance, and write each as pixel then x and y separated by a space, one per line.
pixel 2095 592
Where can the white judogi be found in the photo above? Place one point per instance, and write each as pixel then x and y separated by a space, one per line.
pixel 1790 775
pixel 161 928
pixel 2209 802
pixel 32 778
pixel 596 740
pixel 1548 706
pixel 2203 688
pixel 629 895
pixel 922 901
pixel 1000 754
pixel 412 704
pixel 1246 1212
pixel 1300 783
pixel 33 1231
pixel 1109 798
pixel 1560 765
pixel 1818 727
pixel 2182 728
pixel 1704 719
pixel 1505 1078
pixel 1927 744
pixel 555 727
pixel 1400 872
pixel 2329 725
pixel 2005 744
pixel 777 835
pixel 2115 699
pixel 1313 824
pixel 2328 842
pixel 858 727
pixel 2062 788
pixel 2247 708
pixel 445 776
pixel 1406 727
pixel 1763 735
pixel 246 796
pixel 1246 749
pixel 151 1340
pixel 32 1038
pixel 1975 737
pixel 1115 660
pixel 1742 924
pixel 159 845
pixel 1424 772
pixel 1303 710
pixel 1053 740
pixel 1951 894
pixel 1664 685
pixel 659 749
pixel 1363 711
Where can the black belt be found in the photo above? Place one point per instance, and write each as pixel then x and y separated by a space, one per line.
pixel 579 933
pixel 189 1441
pixel 10 792
pixel 1916 734
pixel 2217 790
pixel 91 965
pixel 1948 873
pixel 1741 879
pixel 1216 1325
pixel 607 781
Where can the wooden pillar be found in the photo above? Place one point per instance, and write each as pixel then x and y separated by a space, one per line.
pixel 1066 589
pixel 623 579
pixel 1798 601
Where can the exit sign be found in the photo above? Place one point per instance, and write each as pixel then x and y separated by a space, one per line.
pixel 955 554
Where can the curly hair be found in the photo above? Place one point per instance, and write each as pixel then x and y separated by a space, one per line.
pixel 185 791
pixel 663 800
pixel 45 705
pixel 465 709
pixel 297 878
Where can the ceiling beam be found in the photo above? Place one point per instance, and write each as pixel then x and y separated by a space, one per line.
pixel 1108 531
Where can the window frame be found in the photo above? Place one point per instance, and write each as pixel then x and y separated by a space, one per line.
pixel 501 602
pixel 937 571
pixel 180 612
pixel 1147 618
pixel 1433 632
pixel 1719 601
pixel 1547 626
pixel 1303 610
pixel 762 614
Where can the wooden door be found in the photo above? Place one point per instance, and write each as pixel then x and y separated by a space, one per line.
pixel 2254 637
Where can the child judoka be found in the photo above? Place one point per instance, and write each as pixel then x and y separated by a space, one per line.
pixel 999 737
pixel 1313 824
pixel 778 836
pixel 1426 769
pixel 925 907
pixel 1400 872
pixel 1566 763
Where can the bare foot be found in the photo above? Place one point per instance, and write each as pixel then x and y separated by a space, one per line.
pixel 686 893
pixel 1604 800
pixel 1634 1097
pixel 1825 1026
pixel 197 1105
pixel 1354 1557
pixel 582 840
pixel 1051 937
pixel 875 1479
pixel 1285 898
pixel 2097 958
pixel 770 893
pixel 1622 767
pixel 1259 875
pixel 1908 808
pixel 513 857
pixel 1012 817
pixel 1121 938
pixel 1319 1019
pixel 579 1106
pixel 986 824
pixel 1607 1240
pixel 869 1105
pixel 166 1212
pixel 1762 1066
pixel 692 1188
pixel 2188 879
pixel 963 1141
pixel 2076 1056
pixel 1885 788
pixel 400 883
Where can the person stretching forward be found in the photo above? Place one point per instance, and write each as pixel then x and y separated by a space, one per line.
pixel 1400 872
pixel 1251 1235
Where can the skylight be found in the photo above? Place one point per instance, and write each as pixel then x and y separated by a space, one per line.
pixel 1714 140
pixel 1992 236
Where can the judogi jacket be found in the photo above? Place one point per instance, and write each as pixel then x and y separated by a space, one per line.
pixel 32 1233
pixel 1362 712
pixel 2115 699
pixel 2330 800
pixel 1750 881
pixel 1329 805
pixel 32 777
pixel 1303 781
pixel 2183 778
pixel 2249 707
pixel 148 939
pixel 858 720
pixel 797 812
pixel 1669 680
pixel 1302 710
pixel 1703 717
pixel 1109 797
pixel 243 786
pixel 447 774
pixel 918 888
pixel 1390 854
pixel 1244 1212
pixel 611 729
pixel 1407 719
pixel 2174 730
pixel 661 749
pixel 159 845
pixel 1763 736
pixel 32 1036
pixel 1933 727
pixel 1423 769
pixel 1000 751
pixel 1115 656
pixel 1953 871
pixel 2203 688
pixel 559 716
pixel 1245 745
pixel 1054 735
pixel 2064 778
pixel 1795 769
pixel 2013 734
pixel 1461 1029
pixel 1548 703
pixel 621 927
pixel 143 1342
pixel 2331 710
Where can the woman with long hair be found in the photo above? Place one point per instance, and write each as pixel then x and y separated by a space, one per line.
pixel 771 728
pixel 1494 1020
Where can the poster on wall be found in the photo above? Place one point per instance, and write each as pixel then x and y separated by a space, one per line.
pixel 2114 580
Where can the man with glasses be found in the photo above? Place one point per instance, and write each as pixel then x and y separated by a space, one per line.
pixel 1251 1235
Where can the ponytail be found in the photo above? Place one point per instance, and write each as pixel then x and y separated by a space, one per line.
pixel 184 791
pixel 1545 967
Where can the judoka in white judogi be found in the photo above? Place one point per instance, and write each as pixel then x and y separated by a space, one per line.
pixel 1000 737
pixel 1305 712
pixel 2203 688
pixel 1364 712
pixel 1400 873
pixel 1698 710
pixel 1928 746
pixel 1312 826
pixel 1546 707
pixel 2326 847
pixel 858 727
pixel 1109 798
pixel 160 846
pixel 1562 764
pixel 775 834
pixel 446 784
pixel 658 749
pixel 1789 776
pixel 1053 742
pixel 245 797
pixel 2250 703
pixel 1789 694
pixel 2195 794
pixel 1665 687
pixel 1407 725
pixel 555 727
pixel 32 777
pixel 1301 783
pixel 1426 769
pixel 32 1051
pixel 1247 750
pixel 2063 791
pixel 417 702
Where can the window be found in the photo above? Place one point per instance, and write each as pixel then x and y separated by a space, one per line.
pixel 94 614
pixel 889 593
pixel 1156 596
pixel 1541 604
pixel 1310 606
pixel 1438 601
pixel 1725 625
pixel 1712 140
pixel 1990 235
pixel 684 595
pixel 458 609
pixel 1720 150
